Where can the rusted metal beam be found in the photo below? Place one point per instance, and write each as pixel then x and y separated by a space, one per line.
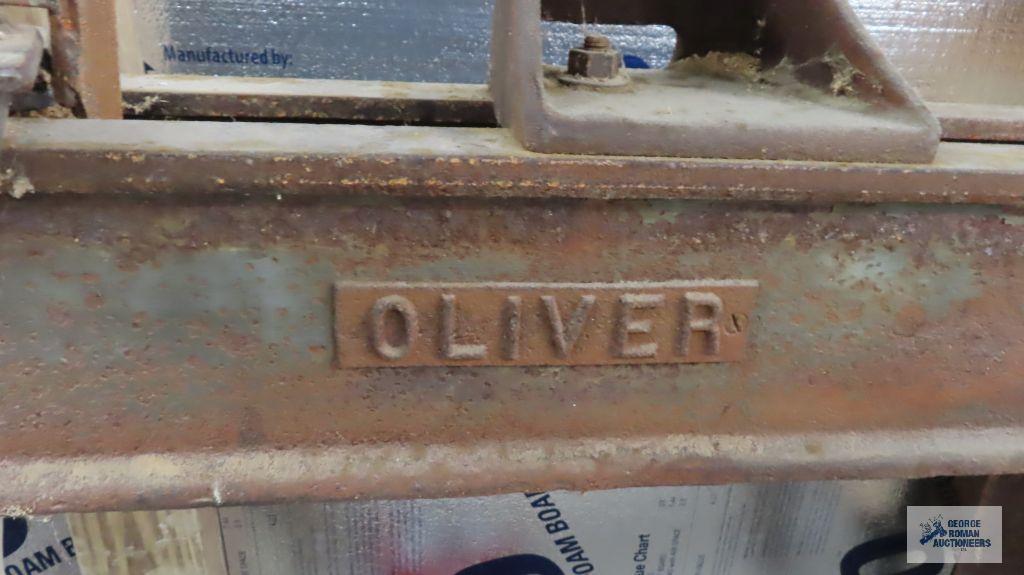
pixel 204 157
pixel 980 123
pixel 171 314
pixel 400 471
pixel 174 96
pixel 297 99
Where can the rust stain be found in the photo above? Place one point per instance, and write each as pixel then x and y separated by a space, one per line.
pixel 910 319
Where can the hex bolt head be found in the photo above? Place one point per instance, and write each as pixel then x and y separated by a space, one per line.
pixel 596 59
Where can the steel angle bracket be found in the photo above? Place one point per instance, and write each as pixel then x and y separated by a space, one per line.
pixel 749 79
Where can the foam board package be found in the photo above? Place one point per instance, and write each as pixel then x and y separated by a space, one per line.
pixel 848 527
pixel 967 51
pixel 794 528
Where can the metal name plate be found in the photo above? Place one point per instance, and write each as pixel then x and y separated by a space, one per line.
pixel 520 324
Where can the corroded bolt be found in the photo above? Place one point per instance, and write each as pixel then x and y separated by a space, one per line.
pixel 597 59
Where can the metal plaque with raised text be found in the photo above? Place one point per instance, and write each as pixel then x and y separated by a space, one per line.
pixel 535 324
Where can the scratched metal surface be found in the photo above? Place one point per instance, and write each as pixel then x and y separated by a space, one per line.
pixel 951 50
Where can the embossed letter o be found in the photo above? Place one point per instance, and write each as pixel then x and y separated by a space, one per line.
pixel 410 326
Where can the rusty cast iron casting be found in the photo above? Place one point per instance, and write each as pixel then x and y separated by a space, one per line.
pixel 177 324
pixel 197 313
